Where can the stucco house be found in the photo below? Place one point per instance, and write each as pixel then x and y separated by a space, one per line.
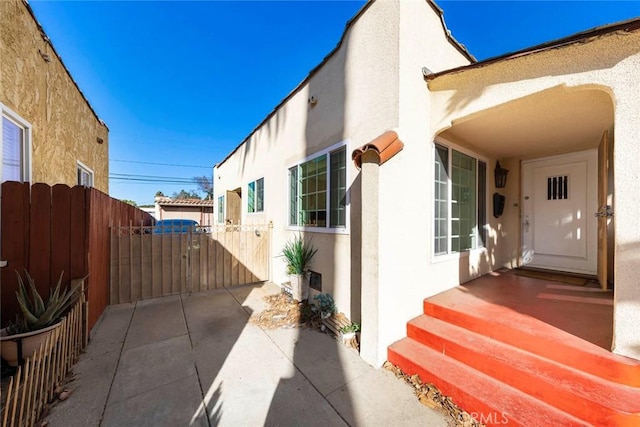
pixel 391 157
pixel 50 132
pixel 195 209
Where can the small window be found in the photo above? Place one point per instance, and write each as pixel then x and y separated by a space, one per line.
pixel 318 191
pixel 221 210
pixel 16 147
pixel 85 175
pixel 558 187
pixel 255 196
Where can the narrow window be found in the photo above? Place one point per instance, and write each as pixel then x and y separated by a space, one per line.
pixel 251 197
pixel 260 195
pixel 459 201
pixel 221 210
pixel 15 148
pixel 482 204
pixel 338 193
pixel 85 175
pixel 441 200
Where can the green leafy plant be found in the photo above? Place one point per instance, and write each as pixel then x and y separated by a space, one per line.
pixel 325 304
pixel 36 314
pixel 298 255
pixel 354 327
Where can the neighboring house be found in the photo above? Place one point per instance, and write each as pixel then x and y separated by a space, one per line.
pixel 50 132
pixel 195 209
pixel 150 209
pixel 561 117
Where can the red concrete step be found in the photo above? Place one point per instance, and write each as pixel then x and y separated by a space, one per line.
pixel 591 398
pixel 486 399
pixel 532 335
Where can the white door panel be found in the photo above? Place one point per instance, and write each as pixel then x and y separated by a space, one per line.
pixel 559 198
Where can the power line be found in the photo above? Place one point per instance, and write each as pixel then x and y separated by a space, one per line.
pixel 135 175
pixel 161 164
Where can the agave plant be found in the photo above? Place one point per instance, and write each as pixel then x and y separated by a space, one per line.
pixel 36 314
pixel 298 255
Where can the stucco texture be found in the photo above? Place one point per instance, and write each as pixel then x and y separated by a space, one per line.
pixel 572 103
pixel 35 84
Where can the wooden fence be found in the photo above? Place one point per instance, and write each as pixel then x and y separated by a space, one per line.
pixel 46 230
pixel 146 263
pixel 35 382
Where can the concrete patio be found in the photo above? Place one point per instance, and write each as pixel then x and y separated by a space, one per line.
pixel 196 360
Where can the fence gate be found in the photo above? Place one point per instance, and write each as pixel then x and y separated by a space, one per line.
pixel 149 263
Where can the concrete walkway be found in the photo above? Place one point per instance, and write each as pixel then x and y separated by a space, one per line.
pixel 196 360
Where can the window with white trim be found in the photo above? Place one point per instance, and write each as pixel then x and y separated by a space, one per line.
pixel 221 210
pixel 459 201
pixel 255 196
pixel 16 147
pixel 85 175
pixel 318 191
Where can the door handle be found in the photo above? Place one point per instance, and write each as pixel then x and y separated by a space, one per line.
pixel 604 212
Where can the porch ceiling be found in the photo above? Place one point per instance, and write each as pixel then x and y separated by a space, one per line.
pixel 555 121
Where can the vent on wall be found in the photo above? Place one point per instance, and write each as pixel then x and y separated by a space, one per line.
pixel 558 187
pixel 315 281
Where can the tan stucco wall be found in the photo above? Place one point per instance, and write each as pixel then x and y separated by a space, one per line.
pixel 64 128
pixel 610 63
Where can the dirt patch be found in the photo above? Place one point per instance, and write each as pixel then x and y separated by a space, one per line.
pixel 285 312
pixel 430 396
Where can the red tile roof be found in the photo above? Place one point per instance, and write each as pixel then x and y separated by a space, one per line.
pixel 385 146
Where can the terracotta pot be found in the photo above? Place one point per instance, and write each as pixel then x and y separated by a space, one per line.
pixel 29 341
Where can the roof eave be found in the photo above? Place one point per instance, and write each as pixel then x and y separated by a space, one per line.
pixel 627 26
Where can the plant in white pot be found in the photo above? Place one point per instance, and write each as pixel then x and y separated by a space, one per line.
pixel 20 339
pixel 349 332
pixel 298 255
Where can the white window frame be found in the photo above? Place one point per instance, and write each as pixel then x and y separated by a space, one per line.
pixel 436 258
pixel 27 149
pixel 255 199
pixel 327 229
pixel 220 218
pixel 81 167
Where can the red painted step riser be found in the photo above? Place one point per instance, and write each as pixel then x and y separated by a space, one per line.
pixel 548 348
pixel 529 383
pixel 467 402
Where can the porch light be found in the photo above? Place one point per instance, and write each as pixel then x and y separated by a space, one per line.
pixel 501 176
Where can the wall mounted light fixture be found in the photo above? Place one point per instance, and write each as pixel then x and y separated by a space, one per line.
pixel 500 176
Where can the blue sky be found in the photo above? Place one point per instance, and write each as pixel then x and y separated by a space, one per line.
pixel 182 83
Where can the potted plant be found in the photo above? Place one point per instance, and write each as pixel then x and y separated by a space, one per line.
pixel 325 304
pixel 349 332
pixel 21 338
pixel 298 255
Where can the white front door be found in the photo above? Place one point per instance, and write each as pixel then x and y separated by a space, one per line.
pixel 559 229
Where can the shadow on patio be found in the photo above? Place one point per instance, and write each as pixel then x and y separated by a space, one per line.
pixel 196 360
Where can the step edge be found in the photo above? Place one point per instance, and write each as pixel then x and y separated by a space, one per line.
pixel 583 394
pixel 496 405
pixel 629 370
